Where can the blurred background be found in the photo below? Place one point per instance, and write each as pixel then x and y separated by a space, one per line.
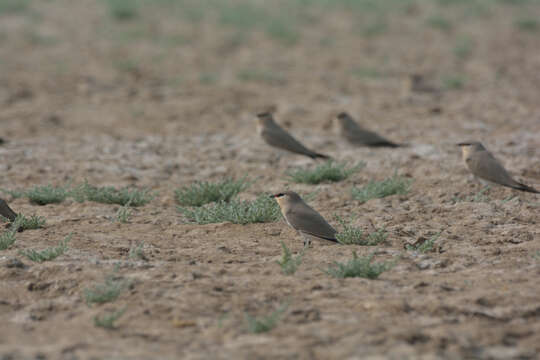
pixel 132 67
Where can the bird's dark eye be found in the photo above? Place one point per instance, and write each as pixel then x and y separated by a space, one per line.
pixel 279 195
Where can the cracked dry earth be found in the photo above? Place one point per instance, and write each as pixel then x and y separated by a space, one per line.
pixel 477 295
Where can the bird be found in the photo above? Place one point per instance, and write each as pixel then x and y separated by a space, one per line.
pixel 484 166
pixel 274 135
pixel 303 218
pixel 6 211
pixel 356 135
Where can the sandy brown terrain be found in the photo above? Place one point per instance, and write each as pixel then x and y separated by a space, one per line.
pixel 160 101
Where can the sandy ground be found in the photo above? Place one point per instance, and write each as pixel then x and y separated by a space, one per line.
pixel 85 97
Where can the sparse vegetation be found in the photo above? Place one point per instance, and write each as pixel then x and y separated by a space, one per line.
pixel 257 325
pixel 13 6
pixel 351 235
pixel 262 209
pixel 439 22
pixel 463 48
pixel 48 194
pixel 453 82
pixel 261 76
pixel 110 195
pixel 527 24
pixel 105 292
pixel 136 252
pixel 289 263
pixel 424 246
pixel 123 9
pixel 48 254
pixel 329 171
pixel 107 320
pixel 480 196
pixel 379 189
pixel 358 267
pixel 32 222
pixel 123 214
pixel 203 192
pixel 7 238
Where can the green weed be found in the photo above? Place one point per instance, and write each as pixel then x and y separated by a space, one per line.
pixel 107 320
pixel 257 325
pixel 262 209
pixel 202 192
pixel 329 171
pixel 289 263
pixel 379 189
pixel 358 267
pixel 105 292
pixel 48 254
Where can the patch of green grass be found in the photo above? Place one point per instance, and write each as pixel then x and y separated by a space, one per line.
pixel 123 214
pixel 454 82
pixel 13 6
pixel 351 235
pixel 463 48
pixel 262 324
pixel 283 31
pixel 329 171
pixel 208 78
pixel 110 195
pixel 203 192
pixel 374 27
pixel 289 263
pixel 425 246
pixel 379 189
pixel 439 22
pixel 48 254
pixel 107 320
pixel 123 10
pixel 7 238
pixel 358 267
pixel 363 72
pixel 33 222
pixel 48 194
pixel 105 292
pixel 136 252
pixel 527 24
pixel 262 209
pixel 261 76
pixel 478 197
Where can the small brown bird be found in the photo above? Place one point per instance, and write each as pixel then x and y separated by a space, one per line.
pixel 484 165
pixel 6 211
pixel 301 217
pixel 356 135
pixel 274 135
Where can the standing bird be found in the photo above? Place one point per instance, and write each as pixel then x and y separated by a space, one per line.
pixel 484 165
pixel 274 135
pixel 6 211
pixel 301 217
pixel 356 135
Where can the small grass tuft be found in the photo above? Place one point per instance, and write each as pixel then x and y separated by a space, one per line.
pixel 351 235
pixel 329 171
pixel 110 195
pixel 48 254
pixel 478 197
pixel 454 82
pixel 123 214
pixel 7 238
pixel 123 9
pixel 358 267
pixel 258 325
pixel 379 189
pixel 33 222
pixel 136 252
pixel 105 292
pixel 289 264
pixel 48 194
pixel 202 192
pixel 262 209
pixel 107 320
pixel 425 246
pixel 439 22
pixel 527 24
